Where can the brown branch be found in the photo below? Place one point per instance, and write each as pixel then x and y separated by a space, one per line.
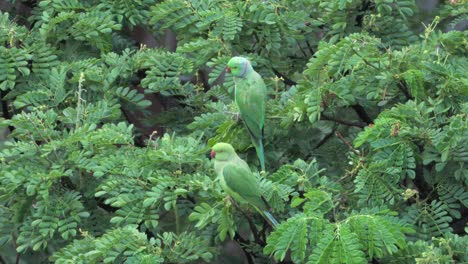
pixel 302 50
pixel 338 134
pixel 6 113
pixel 402 87
pixel 364 60
pixel 325 139
pixel 361 112
pixel 287 81
pixel 241 240
pixel 312 52
pixel 15 246
pixel 252 226
pixel 343 122
pixel 203 79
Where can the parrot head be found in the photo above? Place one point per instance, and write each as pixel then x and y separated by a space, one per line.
pixel 238 66
pixel 222 151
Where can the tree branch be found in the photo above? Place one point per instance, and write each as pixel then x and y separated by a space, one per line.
pixel 343 122
pixel 241 241
pixel 420 183
pixel 312 52
pixel 361 112
pixel 338 134
pixel 364 60
pixel 302 50
pixel 148 233
pixel 201 77
pixel 402 87
pixel 325 139
pixel 17 261
pixel 6 113
pixel 284 77
pixel 458 225
pixel 362 10
pixel 252 226
pixel 106 207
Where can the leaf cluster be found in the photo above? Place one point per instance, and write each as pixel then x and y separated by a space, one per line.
pixel 109 108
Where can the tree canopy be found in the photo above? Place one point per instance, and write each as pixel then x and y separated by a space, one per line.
pixel 109 109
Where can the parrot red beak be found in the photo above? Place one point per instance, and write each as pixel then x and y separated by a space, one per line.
pixel 228 69
pixel 213 154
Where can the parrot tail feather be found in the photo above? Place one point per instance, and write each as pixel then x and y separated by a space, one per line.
pixel 270 219
pixel 260 153
pixel 258 144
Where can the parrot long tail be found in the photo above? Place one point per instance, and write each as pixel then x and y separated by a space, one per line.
pixel 258 144
pixel 260 153
pixel 270 219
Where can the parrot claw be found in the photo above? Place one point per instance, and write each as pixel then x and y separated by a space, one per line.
pixel 231 200
pixel 236 116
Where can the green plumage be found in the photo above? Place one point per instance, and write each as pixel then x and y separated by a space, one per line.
pixel 250 97
pixel 237 179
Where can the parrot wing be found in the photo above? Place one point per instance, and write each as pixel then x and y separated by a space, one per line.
pixel 251 99
pixel 242 182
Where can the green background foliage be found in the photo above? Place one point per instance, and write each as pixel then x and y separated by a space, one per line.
pixel 109 108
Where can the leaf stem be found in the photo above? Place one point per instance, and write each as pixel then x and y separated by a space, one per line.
pixel 364 60
pixel 176 215
pixel 80 99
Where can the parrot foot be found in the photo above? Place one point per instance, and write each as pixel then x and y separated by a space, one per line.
pixel 231 200
pixel 236 204
pixel 236 116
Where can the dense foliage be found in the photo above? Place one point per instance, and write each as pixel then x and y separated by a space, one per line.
pixel 366 135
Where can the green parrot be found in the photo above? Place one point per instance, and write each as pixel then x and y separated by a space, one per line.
pixel 238 181
pixel 250 97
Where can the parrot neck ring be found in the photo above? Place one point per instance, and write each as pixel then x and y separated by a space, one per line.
pixel 244 70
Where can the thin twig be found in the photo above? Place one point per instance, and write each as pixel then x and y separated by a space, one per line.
pixel 312 52
pixel 402 87
pixel 254 43
pixel 302 50
pixel 80 100
pixel 287 80
pixel 325 139
pixel 338 134
pixel 364 60
pixel 176 216
pixel 343 122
